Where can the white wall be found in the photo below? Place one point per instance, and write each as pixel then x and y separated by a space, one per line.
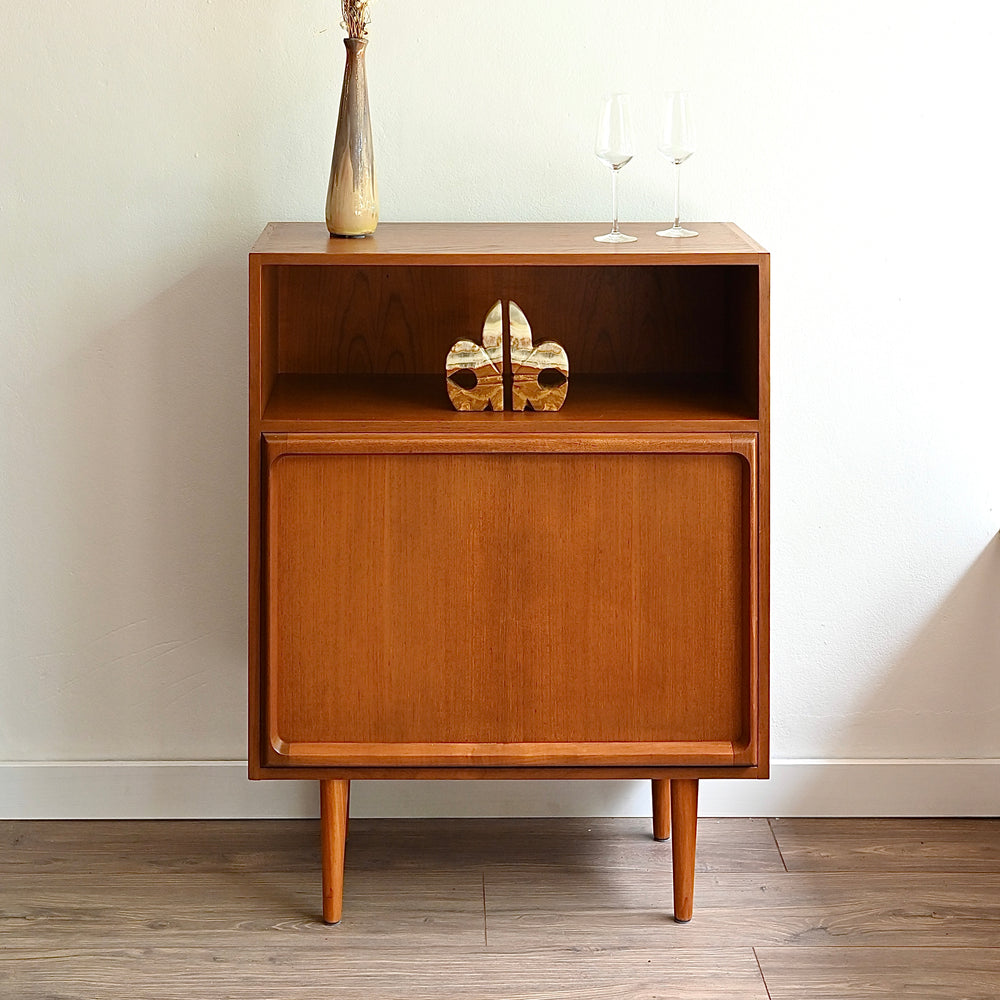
pixel 142 148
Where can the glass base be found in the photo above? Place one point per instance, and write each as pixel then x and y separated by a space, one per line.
pixel 615 238
pixel 676 231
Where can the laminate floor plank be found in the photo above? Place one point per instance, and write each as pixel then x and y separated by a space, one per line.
pixel 513 909
pixel 255 971
pixel 724 845
pixel 124 847
pixel 864 973
pixel 381 910
pixel 548 908
pixel 889 845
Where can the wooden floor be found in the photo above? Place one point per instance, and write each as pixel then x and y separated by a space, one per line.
pixel 801 909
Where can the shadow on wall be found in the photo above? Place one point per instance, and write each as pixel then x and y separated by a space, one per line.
pixel 925 739
pixel 149 605
pixel 941 697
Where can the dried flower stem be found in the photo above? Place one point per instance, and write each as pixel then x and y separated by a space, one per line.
pixel 356 17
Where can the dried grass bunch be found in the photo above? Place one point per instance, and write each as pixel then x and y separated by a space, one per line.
pixel 356 17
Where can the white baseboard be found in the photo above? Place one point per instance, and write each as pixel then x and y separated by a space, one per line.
pixel 220 790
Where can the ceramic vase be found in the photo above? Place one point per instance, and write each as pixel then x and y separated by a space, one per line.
pixel 352 197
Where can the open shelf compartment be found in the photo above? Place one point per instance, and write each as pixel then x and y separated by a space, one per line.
pixel 367 341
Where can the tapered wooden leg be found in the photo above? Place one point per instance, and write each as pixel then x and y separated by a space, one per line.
pixel 333 798
pixel 684 806
pixel 661 808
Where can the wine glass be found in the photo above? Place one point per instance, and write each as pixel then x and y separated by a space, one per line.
pixel 614 149
pixel 676 143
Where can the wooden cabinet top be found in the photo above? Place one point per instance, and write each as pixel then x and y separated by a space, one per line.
pixel 491 243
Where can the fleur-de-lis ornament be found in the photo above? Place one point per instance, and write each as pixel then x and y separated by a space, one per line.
pixel 541 374
pixel 474 372
pixel 480 366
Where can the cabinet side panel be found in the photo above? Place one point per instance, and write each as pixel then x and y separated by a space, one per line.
pixel 262 369
pixel 499 598
pixel 743 321
pixel 764 538
pixel 264 318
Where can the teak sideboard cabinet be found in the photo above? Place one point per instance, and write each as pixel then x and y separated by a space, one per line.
pixel 577 594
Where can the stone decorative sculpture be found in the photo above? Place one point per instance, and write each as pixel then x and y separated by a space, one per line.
pixel 541 374
pixel 474 372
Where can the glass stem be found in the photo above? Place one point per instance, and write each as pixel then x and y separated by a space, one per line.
pixel 614 199
pixel 677 195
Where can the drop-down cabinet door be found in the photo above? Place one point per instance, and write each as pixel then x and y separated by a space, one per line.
pixel 510 600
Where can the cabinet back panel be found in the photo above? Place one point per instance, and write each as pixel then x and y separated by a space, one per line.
pixel 684 320
pixel 508 598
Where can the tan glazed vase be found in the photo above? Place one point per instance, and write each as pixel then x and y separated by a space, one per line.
pixel 352 197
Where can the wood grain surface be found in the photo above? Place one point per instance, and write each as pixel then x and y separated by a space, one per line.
pixel 889 845
pixel 413 403
pixel 807 908
pixel 661 808
pixel 382 910
pixel 334 797
pixel 531 909
pixel 386 320
pixel 684 813
pixel 148 847
pixel 955 973
pixel 511 644
pixel 427 596
pixel 345 339
pixel 410 242
pixel 322 973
